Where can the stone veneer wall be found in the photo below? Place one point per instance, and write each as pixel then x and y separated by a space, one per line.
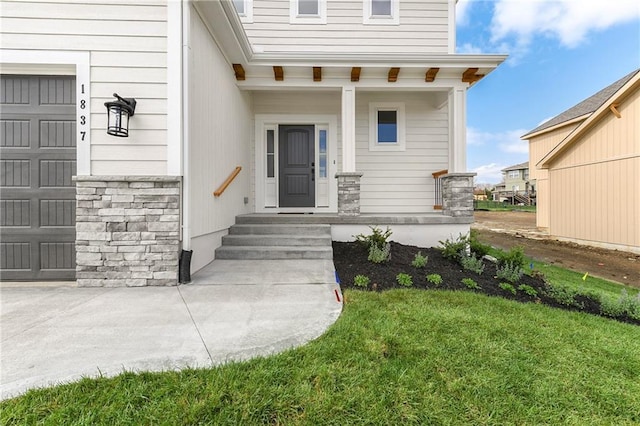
pixel 457 194
pixel 127 230
pixel 348 193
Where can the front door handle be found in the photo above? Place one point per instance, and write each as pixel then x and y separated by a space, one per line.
pixel 313 174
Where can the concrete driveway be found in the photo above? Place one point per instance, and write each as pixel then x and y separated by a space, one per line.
pixel 56 334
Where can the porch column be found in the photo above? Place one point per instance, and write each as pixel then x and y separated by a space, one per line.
pixel 348 129
pixel 348 178
pixel 458 130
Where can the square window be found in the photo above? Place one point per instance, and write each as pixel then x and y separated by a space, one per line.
pixel 239 4
pixel 381 7
pixel 386 126
pixel 308 11
pixel 381 12
pixel 245 10
pixel 307 7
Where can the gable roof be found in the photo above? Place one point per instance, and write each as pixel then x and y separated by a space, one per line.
pixel 520 166
pixel 586 107
pixel 630 85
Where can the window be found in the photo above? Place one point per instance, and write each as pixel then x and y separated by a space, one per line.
pixel 322 154
pixel 386 126
pixel 244 9
pixel 308 12
pixel 271 154
pixel 381 12
pixel 514 174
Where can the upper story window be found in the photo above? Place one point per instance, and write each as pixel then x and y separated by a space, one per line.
pixel 386 126
pixel 381 12
pixel 514 174
pixel 244 9
pixel 308 12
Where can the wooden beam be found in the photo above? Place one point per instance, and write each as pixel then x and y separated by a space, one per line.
pixel 393 75
pixel 278 73
pixel 614 110
pixel 470 76
pixel 355 73
pixel 317 73
pixel 431 75
pixel 239 70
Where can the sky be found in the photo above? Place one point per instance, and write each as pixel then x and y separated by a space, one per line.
pixel 560 53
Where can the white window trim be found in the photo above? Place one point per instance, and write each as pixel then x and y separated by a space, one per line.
pixel 319 19
pixel 369 19
pixel 247 16
pixel 374 145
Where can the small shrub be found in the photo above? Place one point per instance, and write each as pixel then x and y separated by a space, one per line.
pixel 623 305
pixel 404 279
pixel 510 272
pixel 470 284
pixel 563 295
pixel 435 279
pixel 451 249
pixel 527 289
pixel 361 281
pixel 476 246
pixel 472 263
pixel 377 238
pixel 379 255
pixel 514 257
pixel 611 307
pixel 508 287
pixel 419 261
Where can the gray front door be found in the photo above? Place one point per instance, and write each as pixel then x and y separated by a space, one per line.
pixel 297 166
pixel 37 162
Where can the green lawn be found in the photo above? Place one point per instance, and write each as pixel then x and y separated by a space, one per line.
pixel 398 357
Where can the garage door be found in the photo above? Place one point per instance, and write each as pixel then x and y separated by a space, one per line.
pixel 37 162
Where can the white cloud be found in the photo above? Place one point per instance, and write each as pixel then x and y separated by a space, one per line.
pixel 462 12
pixel 489 173
pixel 507 141
pixel 468 48
pixel 569 21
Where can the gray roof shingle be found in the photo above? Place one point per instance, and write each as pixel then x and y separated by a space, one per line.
pixel 588 106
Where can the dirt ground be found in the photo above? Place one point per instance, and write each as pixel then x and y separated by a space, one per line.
pixel 507 229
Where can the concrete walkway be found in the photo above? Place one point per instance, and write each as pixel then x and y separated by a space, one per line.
pixel 232 310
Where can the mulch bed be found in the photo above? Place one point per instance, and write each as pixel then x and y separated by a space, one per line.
pixel 350 259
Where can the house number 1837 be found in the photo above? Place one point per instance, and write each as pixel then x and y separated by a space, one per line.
pixel 82 125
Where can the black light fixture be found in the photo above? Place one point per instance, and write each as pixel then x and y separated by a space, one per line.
pixel 118 113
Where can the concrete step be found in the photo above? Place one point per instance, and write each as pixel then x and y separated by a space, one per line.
pixel 288 229
pixel 276 240
pixel 273 252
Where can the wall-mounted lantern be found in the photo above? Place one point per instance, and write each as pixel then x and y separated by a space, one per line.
pixel 118 113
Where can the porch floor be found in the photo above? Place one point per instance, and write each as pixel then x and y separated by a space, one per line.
pixel 435 218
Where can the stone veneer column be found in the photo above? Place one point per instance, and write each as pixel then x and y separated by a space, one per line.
pixel 457 194
pixel 127 230
pixel 348 193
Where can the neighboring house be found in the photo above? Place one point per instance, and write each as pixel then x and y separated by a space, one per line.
pixel 587 165
pixel 515 188
pixel 344 109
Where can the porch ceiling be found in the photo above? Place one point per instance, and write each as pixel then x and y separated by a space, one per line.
pixel 422 76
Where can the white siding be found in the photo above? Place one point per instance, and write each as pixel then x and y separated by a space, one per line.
pixel 220 138
pixel 401 182
pixel 423 28
pixel 132 63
